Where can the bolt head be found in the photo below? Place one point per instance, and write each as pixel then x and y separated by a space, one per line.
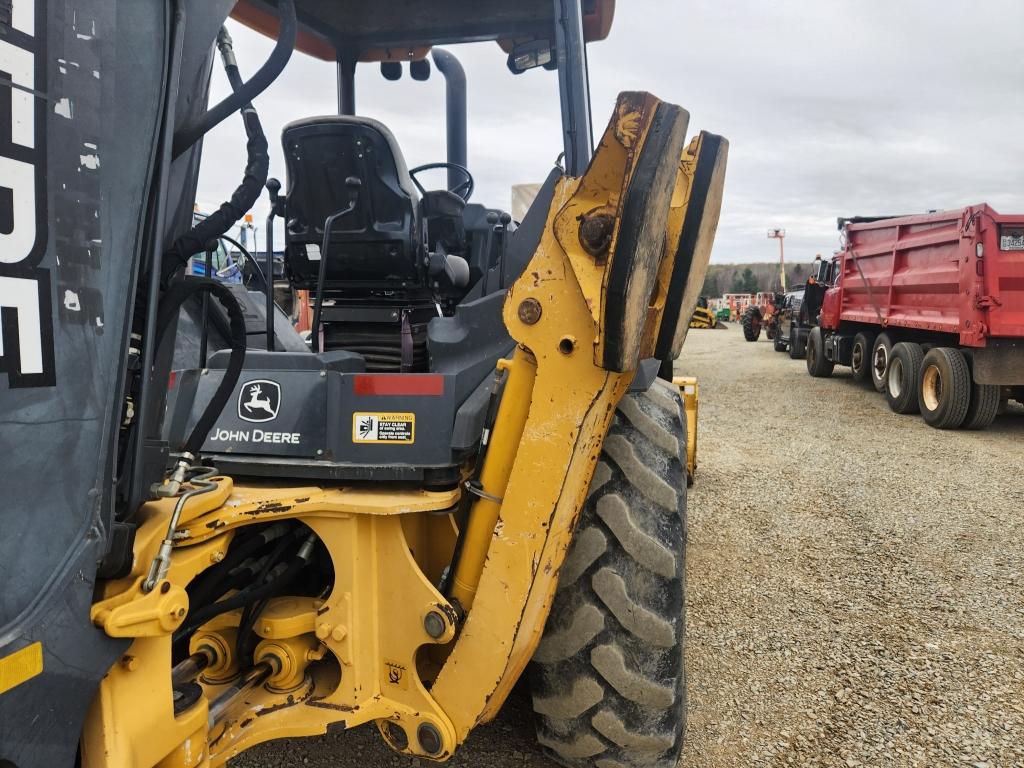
pixel 596 233
pixel 429 738
pixel 530 311
pixel 434 624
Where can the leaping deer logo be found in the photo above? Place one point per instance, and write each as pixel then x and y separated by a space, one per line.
pixel 259 400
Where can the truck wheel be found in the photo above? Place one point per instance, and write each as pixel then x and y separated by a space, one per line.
pixel 860 357
pixel 944 387
pixel 817 365
pixel 751 323
pixel 608 679
pixel 984 407
pixel 902 377
pixel 779 342
pixel 881 352
pixel 797 350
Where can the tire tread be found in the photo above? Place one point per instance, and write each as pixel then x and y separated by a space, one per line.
pixel 608 677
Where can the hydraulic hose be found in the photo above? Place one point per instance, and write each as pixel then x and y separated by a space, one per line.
pixel 257 167
pixel 222 577
pixel 278 578
pixel 188 135
pixel 170 304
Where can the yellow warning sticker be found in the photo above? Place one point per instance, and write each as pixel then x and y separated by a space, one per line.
pixel 383 427
pixel 20 666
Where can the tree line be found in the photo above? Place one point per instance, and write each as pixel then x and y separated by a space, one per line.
pixel 732 278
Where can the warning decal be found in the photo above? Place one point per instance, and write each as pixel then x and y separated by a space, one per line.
pixel 383 427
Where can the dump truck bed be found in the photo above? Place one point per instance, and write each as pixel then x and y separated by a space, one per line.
pixel 958 272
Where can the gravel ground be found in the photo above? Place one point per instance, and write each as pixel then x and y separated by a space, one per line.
pixel 856 592
pixel 856 585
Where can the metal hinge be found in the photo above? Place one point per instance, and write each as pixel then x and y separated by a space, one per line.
pixel 987 302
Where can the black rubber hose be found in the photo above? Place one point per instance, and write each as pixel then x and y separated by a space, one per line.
pixel 205 587
pixel 170 304
pixel 244 597
pixel 188 135
pixel 245 195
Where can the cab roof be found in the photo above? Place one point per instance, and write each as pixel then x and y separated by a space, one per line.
pixel 371 29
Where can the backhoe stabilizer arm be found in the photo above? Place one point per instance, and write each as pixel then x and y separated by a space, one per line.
pixel 585 311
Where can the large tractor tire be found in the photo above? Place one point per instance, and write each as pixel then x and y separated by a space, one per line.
pixel 901 379
pixel 817 364
pixel 608 679
pixel 751 322
pixel 944 388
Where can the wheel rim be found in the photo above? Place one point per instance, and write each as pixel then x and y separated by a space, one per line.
pixel 857 360
pixel 931 387
pixel 881 361
pixel 896 377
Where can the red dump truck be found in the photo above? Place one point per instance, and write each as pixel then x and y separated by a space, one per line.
pixel 928 308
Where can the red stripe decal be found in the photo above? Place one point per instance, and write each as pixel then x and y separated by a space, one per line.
pixel 429 384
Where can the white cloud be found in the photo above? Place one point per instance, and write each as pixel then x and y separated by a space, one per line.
pixel 845 107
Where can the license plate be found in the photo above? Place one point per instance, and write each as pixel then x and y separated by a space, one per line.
pixel 1013 241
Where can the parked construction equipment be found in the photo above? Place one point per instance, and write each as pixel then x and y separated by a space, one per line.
pixel 762 313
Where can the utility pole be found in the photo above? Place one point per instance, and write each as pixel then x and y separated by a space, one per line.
pixel 780 235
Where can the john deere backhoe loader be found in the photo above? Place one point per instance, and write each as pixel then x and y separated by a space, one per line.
pixel 214 535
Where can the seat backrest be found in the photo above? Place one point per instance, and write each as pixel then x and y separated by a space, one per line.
pixel 378 244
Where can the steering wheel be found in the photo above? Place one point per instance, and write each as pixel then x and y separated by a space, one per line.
pixel 463 190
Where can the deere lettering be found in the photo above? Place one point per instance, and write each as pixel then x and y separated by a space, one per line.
pixel 254 436
pixel 26 321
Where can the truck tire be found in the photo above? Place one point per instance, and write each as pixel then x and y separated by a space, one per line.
pixel 901 378
pixel 751 322
pixel 944 387
pixel 984 407
pixel 608 679
pixel 779 342
pixel 817 365
pixel 797 349
pixel 860 357
pixel 881 353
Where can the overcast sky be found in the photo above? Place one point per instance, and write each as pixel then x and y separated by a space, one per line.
pixel 832 108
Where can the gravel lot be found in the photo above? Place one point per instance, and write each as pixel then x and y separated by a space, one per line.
pixel 856 589
pixel 856 585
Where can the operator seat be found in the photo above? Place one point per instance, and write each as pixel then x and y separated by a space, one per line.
pixel 380 242
pixel 383 281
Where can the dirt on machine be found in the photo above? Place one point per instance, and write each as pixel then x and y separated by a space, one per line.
pixel 928 309
pixel 474 469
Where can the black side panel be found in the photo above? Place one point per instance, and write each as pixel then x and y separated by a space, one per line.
pixel 76 144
